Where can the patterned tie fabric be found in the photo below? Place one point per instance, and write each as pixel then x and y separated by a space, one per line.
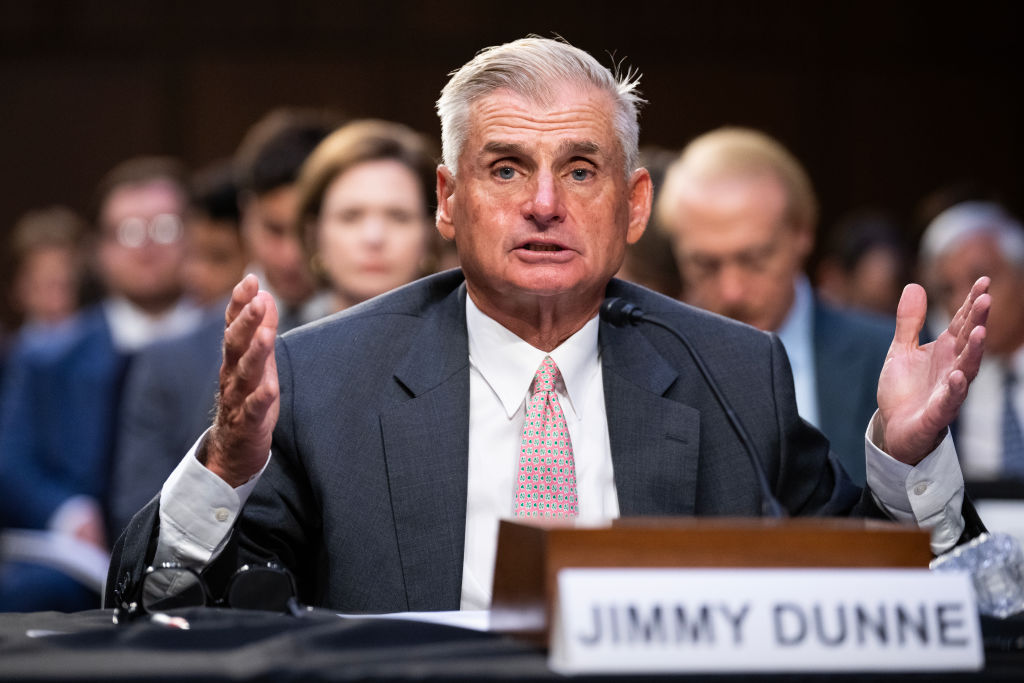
pixel 547 471
pixel 1013 439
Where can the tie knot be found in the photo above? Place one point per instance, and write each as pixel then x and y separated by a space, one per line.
pixel 546 376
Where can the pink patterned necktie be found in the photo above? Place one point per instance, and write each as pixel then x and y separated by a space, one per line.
pixel 547 471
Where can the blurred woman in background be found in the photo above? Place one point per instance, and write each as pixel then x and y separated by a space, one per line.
pixel 366 209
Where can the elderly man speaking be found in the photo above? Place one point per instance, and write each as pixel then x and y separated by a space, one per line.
pixel 401 430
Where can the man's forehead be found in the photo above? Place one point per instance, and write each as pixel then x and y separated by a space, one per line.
pixel 574 116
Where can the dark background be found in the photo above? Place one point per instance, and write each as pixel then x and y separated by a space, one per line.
pixel 883 101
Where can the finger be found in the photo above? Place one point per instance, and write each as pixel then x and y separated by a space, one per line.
pixel 239 334
pixel 959 326
pixel 969 360
pixel 910 315
pixel 250 370
pixel 270 316
pixel 241 294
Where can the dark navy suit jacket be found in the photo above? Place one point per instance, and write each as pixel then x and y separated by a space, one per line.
pixel 849 351
pixel 365 496
pixel 57 425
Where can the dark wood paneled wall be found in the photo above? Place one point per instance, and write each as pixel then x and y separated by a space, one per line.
pixel 883 101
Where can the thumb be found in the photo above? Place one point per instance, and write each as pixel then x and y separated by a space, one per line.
pixel 910 315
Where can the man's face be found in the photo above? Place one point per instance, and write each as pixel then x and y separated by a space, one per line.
pixel 736 253
pixel 268 225
pixel 957 271
pixel 214 259
pixel 142 248
pixel 541 211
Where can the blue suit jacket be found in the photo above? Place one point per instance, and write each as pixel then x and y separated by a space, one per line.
pixel 57 427
pixel 365 497
pixel 849 351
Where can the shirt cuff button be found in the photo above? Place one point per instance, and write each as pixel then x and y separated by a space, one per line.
pixel 221 514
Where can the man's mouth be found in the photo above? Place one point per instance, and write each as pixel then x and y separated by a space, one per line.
pixel 542 247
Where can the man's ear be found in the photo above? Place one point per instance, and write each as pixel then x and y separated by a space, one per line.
pixel 445 190
pixel 641 190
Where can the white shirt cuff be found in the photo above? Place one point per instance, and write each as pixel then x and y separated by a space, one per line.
pixel 198 509
pixel 930 494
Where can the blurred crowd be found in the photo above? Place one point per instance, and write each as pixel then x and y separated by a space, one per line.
pixel 110 370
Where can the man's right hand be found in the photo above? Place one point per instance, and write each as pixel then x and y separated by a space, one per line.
pixel 250 399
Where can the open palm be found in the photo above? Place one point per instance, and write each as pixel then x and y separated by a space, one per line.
pixel 921 388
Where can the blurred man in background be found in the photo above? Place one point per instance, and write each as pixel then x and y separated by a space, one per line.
pixel 742 215
pixel 169 396
pixel 267 165
pixel 981 237
pixel 62 396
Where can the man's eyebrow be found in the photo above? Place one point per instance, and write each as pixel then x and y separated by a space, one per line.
pixel 579 147
pixel 503 148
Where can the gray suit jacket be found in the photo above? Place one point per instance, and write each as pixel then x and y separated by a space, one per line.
pixel 365 497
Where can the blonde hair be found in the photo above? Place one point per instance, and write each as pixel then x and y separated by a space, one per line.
pixel 733 151
pixel 533 68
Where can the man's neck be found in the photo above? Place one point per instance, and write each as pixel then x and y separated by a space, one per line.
pixel 542 322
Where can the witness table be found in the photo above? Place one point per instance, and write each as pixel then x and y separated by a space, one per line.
pixel 258 646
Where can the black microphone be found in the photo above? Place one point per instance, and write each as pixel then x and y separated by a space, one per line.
pixel 621 313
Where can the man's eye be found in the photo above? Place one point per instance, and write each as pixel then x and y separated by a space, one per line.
pixel 506 173
pixel 580 173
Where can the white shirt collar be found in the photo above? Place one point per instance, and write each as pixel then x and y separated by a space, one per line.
pixel 132 328
pixel 508 364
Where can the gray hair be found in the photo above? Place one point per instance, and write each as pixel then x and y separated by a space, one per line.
pixel 967 219
pixel 533 67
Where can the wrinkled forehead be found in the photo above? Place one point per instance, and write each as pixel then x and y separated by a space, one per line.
pixel 583 115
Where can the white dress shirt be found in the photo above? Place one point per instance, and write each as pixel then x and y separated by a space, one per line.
pixel 502 367
pixel 198 509
pixel 980 438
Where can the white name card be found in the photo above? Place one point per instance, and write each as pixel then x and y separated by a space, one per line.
pixel 769 620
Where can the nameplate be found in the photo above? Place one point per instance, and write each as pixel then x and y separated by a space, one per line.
pixel 767 620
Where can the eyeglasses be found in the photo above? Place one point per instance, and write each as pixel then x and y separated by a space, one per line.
pixel 162 229
pixel 268 587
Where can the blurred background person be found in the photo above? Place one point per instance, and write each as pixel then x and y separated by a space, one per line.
pixel 983 238
pixel 742 214
pixel 865 263
pixel 171 389
pixel 215 258
pixel 49 270
pixel 649 261
pixel 61 398
pixel 366 201
pixel 47 267
pixel 267 165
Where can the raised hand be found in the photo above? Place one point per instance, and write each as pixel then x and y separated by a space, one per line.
pixel 249 401
pixel 921 388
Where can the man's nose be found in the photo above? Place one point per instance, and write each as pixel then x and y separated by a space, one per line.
pixel 732 285
pixel 544 205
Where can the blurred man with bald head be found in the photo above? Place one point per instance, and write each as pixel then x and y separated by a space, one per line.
pixel 741 212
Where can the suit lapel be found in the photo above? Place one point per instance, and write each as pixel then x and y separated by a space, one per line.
pixel 426 444
pixel 654 439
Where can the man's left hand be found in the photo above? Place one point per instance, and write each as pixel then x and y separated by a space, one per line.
pixel 921 388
